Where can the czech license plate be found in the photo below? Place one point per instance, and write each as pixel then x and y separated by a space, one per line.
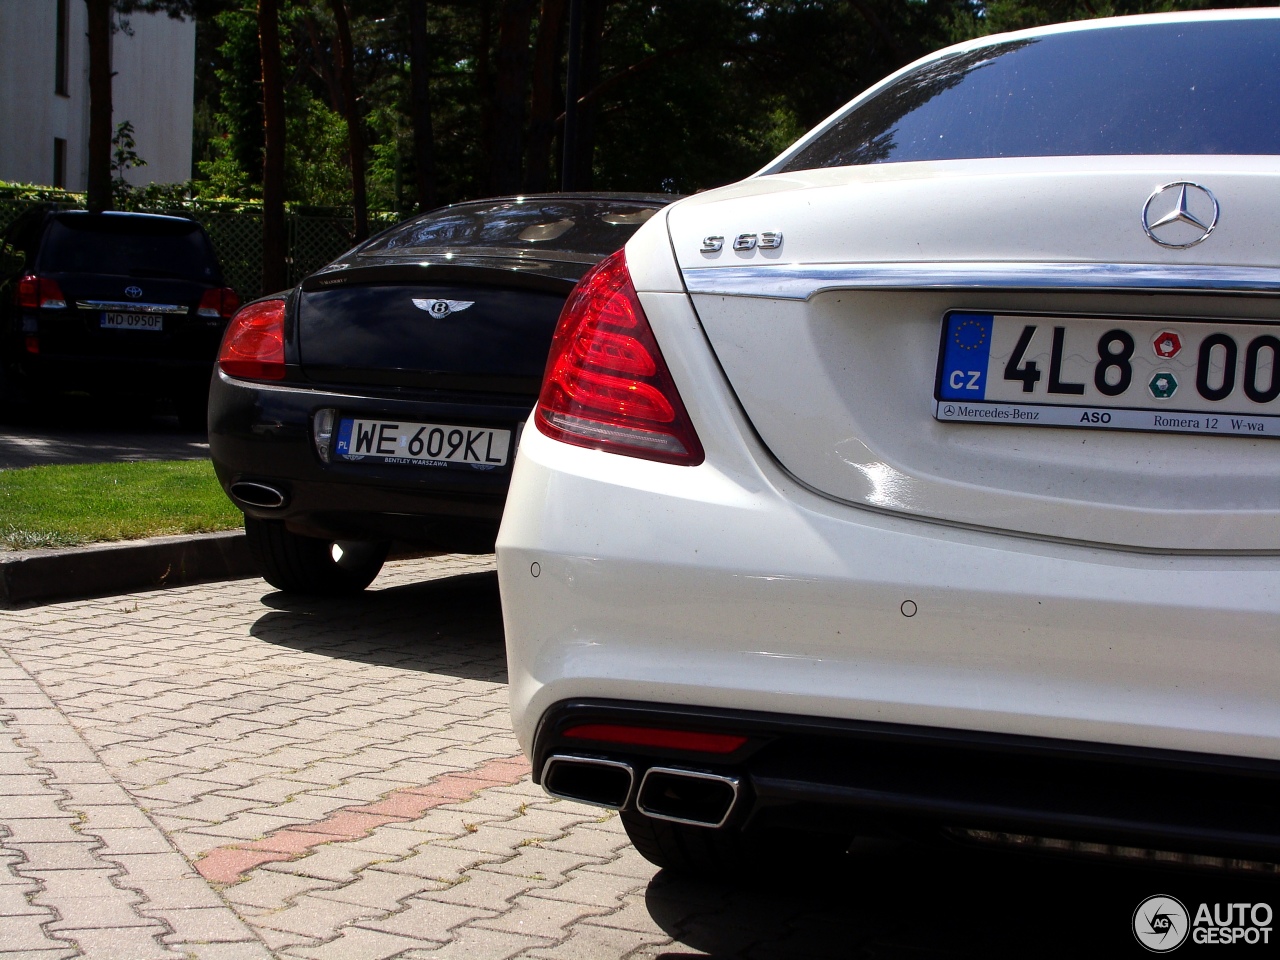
pixel 422 444
pixel 132 321
pixel 1176 376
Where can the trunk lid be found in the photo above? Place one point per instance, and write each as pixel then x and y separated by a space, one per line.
pixel 459 326
pixel 832 339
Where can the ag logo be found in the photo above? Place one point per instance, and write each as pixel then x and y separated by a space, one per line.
pixel 1161 923
pixel 442 308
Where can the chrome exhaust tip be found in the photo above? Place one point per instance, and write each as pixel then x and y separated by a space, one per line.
pixel 258 494
pixel 601 783
pixel 687 796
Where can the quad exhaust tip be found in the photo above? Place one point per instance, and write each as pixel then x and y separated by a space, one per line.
pixel 687 796
pixel 666 793
pixel 257 494
pixel 601 783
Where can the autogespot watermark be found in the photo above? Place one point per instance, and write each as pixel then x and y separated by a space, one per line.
pixel 1162 924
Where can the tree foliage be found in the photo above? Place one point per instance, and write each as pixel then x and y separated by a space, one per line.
pixel 676 95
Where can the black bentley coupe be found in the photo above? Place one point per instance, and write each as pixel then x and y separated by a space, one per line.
pixel 382 399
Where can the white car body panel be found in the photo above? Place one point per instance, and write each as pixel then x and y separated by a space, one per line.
pixel 842 554
pixel 753 594
pixel 730 585
pixel 977 211
pixel 844 401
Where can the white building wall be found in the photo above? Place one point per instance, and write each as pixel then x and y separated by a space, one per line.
pixel 31 114
pixel 153 89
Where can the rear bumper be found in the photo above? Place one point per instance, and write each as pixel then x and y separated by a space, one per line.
pixel 729 586
pixel 262 433
pixel 849 776
pixel 126 376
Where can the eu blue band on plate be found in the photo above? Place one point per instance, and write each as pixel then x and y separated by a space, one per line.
pixel 344 437
pixel 965 356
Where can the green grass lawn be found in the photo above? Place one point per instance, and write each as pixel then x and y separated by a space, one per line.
pixel 68 504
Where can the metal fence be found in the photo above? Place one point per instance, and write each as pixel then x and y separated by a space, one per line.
pixel 313 240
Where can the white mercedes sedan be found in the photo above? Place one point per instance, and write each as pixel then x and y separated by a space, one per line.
pixel 928 481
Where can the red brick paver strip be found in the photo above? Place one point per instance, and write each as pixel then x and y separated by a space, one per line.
pixel 229 864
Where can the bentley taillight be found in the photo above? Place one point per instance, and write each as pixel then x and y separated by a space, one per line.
pixel 253 346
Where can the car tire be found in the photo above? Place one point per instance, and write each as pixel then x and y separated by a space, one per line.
pixel 682 848
pixel 307 565
pixel 13 400
pixel 193 412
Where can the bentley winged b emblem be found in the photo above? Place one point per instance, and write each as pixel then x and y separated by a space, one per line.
pixel 442 308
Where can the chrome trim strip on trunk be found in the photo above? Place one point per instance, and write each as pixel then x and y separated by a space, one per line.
pixel 789 281
pixel 132 307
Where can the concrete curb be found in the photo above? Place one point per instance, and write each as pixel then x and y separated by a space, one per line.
pixel 43 576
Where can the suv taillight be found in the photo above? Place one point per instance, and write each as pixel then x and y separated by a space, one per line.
pixel 606 386
pixel 220 302
pixel 35 292
pixel 253 346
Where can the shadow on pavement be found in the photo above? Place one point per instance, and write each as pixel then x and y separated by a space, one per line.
pixel 890 900
pixel 452 625
pixel 80 430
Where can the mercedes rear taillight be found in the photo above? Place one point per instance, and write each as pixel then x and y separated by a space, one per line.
pixel 35 292
pixel 253 346
pixel 606 385
pixel 219 302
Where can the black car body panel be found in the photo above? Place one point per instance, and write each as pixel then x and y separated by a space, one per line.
pixel 403 333
pixel 264 435
pixel 490 338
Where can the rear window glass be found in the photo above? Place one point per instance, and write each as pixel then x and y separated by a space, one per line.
pixel 1208 87
pixel 562 226
pixel 128 247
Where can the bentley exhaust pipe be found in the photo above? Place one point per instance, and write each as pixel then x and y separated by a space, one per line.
pixel 601 783
pixel 257 494
pixel 687 796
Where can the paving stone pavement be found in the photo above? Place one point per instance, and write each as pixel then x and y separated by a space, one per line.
pixel 221 772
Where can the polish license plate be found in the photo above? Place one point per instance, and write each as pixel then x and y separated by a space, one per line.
pixel 422 444
pixel 132 321
pixel 1173 376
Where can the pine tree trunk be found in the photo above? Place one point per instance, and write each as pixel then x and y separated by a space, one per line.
pixel 510 84
pixel 351 113
pixel 424 165
pixel 484 79
pixel 274 270
pixel 543 103
pixel 592 42
pixel 99 186
pixel 324 69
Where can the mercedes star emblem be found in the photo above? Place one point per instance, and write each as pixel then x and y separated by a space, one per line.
pixel 442 308
pixel 1180 214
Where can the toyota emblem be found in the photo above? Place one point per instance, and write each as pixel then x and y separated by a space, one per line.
pixel 135 292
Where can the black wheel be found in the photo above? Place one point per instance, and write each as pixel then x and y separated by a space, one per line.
pixel 688 849
pixel 193 412
pixel 310 565
pixel 13 400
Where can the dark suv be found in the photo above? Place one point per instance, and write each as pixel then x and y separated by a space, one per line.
pixel 111 303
